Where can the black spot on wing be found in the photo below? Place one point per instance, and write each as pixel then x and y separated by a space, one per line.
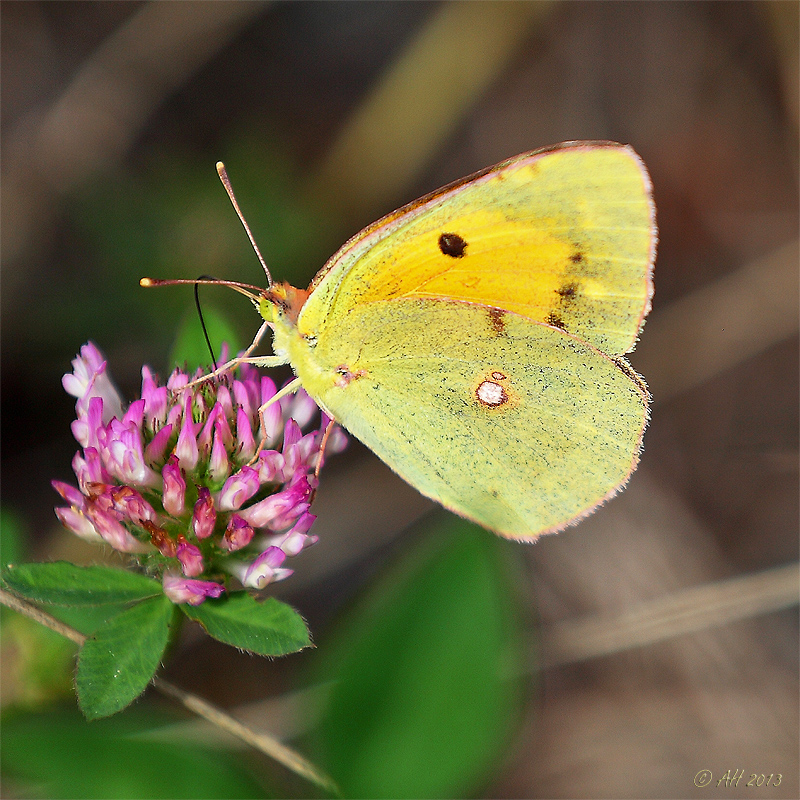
pixel 555 320
pixel 567 292
pixel 453 245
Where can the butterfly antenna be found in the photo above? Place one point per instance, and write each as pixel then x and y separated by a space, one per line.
pixel 223 176
pixel 202 321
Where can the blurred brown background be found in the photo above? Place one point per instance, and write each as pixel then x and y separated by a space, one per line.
pixel 331 114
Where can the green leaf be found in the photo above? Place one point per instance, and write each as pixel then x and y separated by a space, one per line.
pixel 138 754
pixel 117 662
pixel 190 349
pixel 426 675
pixel 268 628
pixel 87 619
pixel 65 584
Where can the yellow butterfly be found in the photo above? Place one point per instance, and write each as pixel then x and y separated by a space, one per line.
pixel 474 338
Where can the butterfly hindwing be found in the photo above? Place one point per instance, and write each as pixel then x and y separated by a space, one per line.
pixel 448 395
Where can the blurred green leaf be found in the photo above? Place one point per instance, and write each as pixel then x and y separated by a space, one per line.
pixel 190 351
pixel 38 663
pixel 60 754
pixel 427 672
pixel 66 584
pixel 117 662
pixel 12 537
pixel 269 628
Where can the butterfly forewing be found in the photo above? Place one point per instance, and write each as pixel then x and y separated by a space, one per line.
pixel 565 237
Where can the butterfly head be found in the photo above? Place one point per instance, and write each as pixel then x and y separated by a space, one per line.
pixel 282 302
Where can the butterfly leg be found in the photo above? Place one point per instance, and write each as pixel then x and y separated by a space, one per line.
pixel 244 358
pixel 321 456
pixel 290 388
